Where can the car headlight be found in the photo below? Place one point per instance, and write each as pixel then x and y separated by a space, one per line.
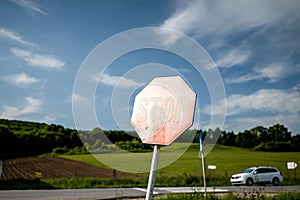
pixel 235 177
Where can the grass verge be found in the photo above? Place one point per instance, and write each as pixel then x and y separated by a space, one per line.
pixel 80 183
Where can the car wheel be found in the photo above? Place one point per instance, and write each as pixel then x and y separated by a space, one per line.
pixel 275 181
pixel 249 181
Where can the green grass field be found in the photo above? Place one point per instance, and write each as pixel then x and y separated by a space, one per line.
pixel 229 160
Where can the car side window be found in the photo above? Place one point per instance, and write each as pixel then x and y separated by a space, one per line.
pixel 271 170
pixel 259 171
pixel 268 170
pixel 265 170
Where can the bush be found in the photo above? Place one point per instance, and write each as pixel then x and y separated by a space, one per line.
pixel 60 150
pixel 134 146
pixel 65 150
pixel 78 150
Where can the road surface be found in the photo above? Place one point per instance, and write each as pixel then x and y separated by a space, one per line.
pixel 113 193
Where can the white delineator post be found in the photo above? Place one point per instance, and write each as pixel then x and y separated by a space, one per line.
pixel 152 174
pixel 203 163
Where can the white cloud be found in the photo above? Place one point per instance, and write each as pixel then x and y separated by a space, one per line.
pixel 80 99
pixel 242 79
pixel 271 106
pixel 265 100
pixel 221 17
pixel 245 123
pixel 184 20
pixel 22 80
pixel 29 106
pixel 296 88
pixel 48 119
pixel 233 58
pixel 184 70
pixel 47 61
pixel 268 28
pixel 118 81
pixel 38 60
pixel 272 73
pixel 216 44
pixel 29 6
pixel 16 37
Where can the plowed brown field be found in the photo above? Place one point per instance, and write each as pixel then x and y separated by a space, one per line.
pixel 54 167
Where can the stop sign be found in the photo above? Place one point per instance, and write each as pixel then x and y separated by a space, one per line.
pixel 163 110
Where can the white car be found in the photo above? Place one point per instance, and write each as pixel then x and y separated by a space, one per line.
pixel 260 175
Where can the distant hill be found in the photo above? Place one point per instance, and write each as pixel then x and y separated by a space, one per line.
pixel 22 138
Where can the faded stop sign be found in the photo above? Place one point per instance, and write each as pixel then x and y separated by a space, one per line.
pixel 163 110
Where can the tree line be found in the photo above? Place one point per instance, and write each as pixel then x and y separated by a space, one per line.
pixel 21 138
pixel 275 138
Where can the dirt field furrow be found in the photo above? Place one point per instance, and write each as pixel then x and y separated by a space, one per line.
pixel 54 167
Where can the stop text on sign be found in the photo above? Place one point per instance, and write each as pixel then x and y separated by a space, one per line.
pixel 162 109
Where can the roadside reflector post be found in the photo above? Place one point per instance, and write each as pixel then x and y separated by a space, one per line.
pixel 152 174
pixel 162 111
pixel 203 162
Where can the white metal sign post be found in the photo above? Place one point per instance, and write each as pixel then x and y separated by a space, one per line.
pixel 152 174
pixel 162 111
pixel 203 162
pixel 291 165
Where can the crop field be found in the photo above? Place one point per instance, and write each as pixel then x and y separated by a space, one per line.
pixel 54 167
pixel 177 167
pixel 229 160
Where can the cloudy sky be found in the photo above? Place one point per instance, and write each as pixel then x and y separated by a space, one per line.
pixel 254 44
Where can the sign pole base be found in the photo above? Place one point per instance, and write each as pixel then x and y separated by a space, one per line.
pixel 203 173
pixel 152 174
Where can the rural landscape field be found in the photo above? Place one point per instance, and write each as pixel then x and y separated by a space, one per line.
pixel 73 167
pixel 229 160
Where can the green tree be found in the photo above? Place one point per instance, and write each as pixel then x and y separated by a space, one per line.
pixel 279 133
pixel 247 139
pixel 228 139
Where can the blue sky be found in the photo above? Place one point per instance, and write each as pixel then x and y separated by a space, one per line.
pixel 255 45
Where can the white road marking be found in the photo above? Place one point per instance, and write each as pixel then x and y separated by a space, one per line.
pixel 144 190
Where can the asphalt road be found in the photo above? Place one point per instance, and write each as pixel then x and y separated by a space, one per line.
pixel 113 193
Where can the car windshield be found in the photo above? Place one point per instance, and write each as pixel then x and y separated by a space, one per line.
pixel 248 170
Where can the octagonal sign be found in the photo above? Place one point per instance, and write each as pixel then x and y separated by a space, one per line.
pixel 163 110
